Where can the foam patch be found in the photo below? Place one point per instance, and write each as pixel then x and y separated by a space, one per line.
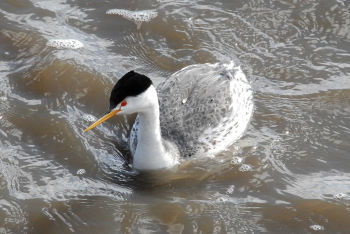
pixel 65 43
pixel 245 167
pixel 90 118
pixel 236 161
pixel 136 16
pixel 81 172
pixel 317 227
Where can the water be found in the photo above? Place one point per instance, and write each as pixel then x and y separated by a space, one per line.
pixel 289 173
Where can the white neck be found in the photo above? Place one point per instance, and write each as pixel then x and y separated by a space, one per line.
pixel 150 152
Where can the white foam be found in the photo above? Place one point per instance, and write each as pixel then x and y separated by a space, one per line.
pixel 340 196
pixel 81 172
pixel 236 160
pixel 65 43
pixel 89 118
pixel 245 167
pixel 137 17
pixel 230 189
pixel 317 227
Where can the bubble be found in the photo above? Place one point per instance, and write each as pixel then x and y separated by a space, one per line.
pixel 245 167
pixel 230 189
pixel 340 196
pixel 317 227
pixel 221 199
pixel 184 100
pixel 65 43
pixel 81 171
pixel 236 161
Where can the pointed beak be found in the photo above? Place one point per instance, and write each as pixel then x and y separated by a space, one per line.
pixel 104 118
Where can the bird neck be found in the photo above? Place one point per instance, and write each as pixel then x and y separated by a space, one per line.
pixel 150 152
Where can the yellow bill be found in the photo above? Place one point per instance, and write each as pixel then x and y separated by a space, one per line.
pixel 104 118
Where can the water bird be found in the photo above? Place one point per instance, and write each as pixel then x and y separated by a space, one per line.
pixel 199 110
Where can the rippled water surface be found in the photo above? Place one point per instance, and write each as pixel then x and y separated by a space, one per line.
pixel 290 173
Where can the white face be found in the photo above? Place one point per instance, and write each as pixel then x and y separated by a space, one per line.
pixel 139 103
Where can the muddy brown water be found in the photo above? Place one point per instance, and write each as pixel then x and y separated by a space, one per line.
pixel 289 173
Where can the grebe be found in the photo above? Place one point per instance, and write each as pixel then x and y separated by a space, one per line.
pixel 199 110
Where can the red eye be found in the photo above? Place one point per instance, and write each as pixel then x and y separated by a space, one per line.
pixel 123 103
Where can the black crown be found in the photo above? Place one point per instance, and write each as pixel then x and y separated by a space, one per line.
pixel 131 84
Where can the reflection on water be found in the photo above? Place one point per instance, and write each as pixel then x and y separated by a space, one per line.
pixel 289 173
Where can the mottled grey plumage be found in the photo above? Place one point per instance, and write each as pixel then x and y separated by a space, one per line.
pixel 203 108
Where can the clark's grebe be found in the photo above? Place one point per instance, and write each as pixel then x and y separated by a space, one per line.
pixel 199 110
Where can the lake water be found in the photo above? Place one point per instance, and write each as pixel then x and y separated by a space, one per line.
pixel 289 173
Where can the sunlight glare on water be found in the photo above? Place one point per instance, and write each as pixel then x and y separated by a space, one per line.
pixel 60 59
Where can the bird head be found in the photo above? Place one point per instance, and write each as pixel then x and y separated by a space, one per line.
pixel 131 94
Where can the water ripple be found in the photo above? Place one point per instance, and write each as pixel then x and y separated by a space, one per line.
pixel 289 172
